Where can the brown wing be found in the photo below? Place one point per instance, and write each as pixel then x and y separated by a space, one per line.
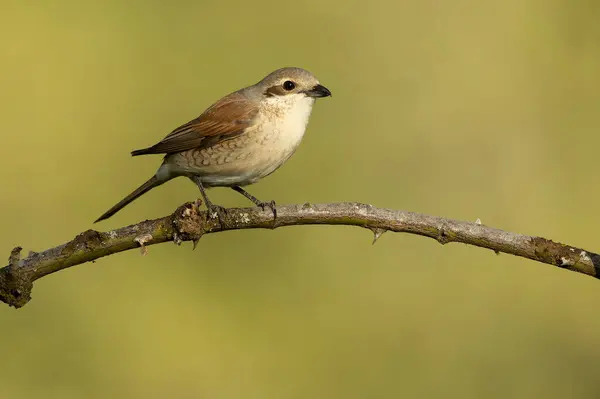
pixel 227 118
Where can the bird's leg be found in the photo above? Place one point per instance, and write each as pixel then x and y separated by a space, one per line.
pixel 213 210
pixel 256 201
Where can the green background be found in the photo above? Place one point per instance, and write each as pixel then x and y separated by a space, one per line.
pixel 463 109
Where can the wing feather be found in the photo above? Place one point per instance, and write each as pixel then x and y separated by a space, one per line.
pixel 226 119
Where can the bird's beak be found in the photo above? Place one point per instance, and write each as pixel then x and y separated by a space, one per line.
pixel 318 91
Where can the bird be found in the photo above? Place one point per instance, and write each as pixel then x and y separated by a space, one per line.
pixel 242 138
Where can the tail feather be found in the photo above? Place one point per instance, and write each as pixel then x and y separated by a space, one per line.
pixel 141 190
pixel 143 151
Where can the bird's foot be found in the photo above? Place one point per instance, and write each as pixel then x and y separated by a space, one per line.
pixel 216 211
pixel 271 205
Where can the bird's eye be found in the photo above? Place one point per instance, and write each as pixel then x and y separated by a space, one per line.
pixel 289 85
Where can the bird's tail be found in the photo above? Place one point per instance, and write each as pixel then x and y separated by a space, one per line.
pixel 143 151
pixel 141 190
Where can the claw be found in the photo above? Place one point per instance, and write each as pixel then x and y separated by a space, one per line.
pixel 216 211
pixel 271 205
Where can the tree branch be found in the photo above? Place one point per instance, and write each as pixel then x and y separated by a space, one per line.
pixel 187 223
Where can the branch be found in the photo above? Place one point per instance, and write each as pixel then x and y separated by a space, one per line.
pixel 187 223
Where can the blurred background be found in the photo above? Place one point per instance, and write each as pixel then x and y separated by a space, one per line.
pixel 462 109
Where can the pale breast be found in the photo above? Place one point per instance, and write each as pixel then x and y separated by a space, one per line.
pixel 287 118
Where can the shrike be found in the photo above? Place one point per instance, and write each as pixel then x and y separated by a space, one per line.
pixel 240 139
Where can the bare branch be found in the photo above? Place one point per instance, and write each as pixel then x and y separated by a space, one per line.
pixel 187 223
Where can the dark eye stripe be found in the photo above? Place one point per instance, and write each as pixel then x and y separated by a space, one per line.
pixel 276 91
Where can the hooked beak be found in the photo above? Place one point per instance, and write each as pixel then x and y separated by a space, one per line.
pixel 318 91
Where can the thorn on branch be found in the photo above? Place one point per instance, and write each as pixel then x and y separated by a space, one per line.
pixel 377 232
pixel 195 243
